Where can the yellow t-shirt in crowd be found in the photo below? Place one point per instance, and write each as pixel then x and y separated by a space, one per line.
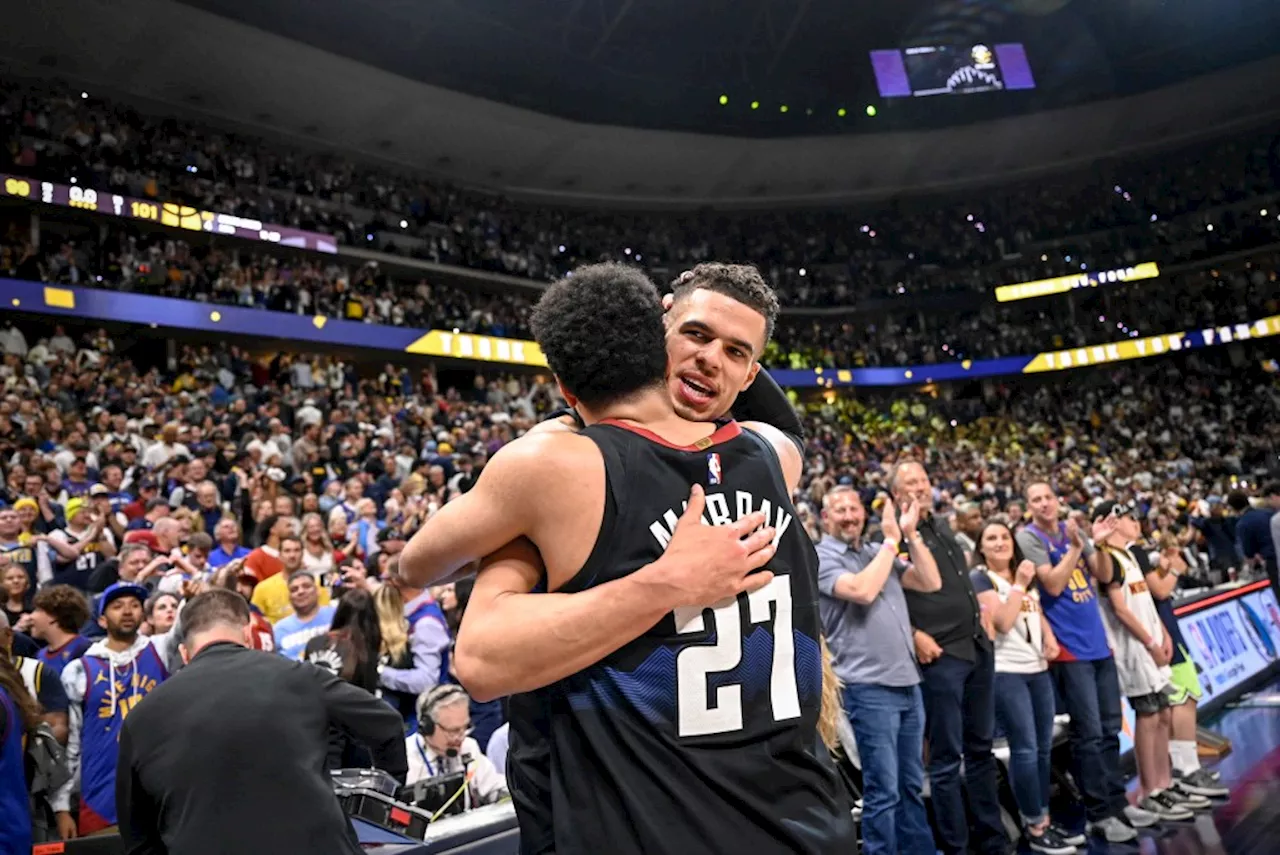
pixel 271 596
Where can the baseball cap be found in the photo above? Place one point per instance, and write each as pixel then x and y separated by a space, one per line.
pixel 99 490
pixel 1112 508
pixel 116 590
pixel 391 532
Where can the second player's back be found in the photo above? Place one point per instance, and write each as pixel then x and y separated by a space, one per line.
pixel 700 735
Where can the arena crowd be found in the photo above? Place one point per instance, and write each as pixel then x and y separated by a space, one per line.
pixel 296 479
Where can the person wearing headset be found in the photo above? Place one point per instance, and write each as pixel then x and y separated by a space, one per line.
pixel 443 746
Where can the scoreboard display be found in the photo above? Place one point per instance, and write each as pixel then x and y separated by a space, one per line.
pixel 162 213
pixel 951 70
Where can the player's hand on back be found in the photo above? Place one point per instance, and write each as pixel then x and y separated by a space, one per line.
pixel 706 564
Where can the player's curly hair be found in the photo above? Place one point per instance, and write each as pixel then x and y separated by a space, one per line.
pixel 742 282
pixel 67 606
pixel 600 328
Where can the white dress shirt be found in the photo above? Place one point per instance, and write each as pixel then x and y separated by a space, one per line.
pixel 485 783
pixel 497 748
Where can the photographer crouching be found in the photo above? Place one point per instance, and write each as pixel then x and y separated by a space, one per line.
pixel 230 756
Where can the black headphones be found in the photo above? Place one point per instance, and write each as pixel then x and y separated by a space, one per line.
pixel 431 701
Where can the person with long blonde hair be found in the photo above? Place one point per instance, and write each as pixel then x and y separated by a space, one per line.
pixel 395 651
pixel 832 705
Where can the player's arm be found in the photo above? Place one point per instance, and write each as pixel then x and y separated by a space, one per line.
pixel 788 452
pixel 765 402
pixel 514 641
pixel 500 508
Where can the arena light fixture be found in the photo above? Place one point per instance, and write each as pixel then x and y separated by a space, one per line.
pixel 724 99
pixel 783 108
pixel 842 112
pixel 755 105
pixel 871 110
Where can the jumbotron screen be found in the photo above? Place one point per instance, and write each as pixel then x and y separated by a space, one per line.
pixel 951 70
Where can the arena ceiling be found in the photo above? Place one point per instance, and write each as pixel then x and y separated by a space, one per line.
pixel 664 64
pixel 175 58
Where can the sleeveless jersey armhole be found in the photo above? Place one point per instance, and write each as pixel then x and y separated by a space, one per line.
pixel 775 470
pixel 615 469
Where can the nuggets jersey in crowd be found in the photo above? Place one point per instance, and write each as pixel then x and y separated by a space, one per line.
pixel 700 735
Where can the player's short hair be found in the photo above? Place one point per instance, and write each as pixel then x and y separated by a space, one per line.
pixel 742 282
pixel 66 605
pixel 216 607
pixel 600 328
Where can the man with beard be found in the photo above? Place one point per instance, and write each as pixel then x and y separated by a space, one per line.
pixel 102 687
pixel 647 724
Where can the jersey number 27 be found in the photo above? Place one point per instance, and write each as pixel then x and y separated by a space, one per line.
pixel 697 715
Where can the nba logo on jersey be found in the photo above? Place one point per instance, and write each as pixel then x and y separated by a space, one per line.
pixel 713 469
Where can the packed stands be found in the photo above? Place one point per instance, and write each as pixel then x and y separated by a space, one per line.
pixel 166 436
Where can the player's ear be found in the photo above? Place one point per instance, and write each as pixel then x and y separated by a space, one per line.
pixel 751 376
pixel 569 397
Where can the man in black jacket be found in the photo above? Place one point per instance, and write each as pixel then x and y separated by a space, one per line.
pixel 230 757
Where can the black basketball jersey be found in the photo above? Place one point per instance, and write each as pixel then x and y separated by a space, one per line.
pixel 700 735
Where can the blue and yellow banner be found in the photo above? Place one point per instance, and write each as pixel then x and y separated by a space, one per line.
pixel 94 304
pixel 99 305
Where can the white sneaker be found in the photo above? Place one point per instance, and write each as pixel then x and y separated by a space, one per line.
pixel 1113 830
pixel 1202 783
pixel 1180 794
pixel 1164 807
pixel 1139 818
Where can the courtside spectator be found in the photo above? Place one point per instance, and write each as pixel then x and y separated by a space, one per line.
pixel 1067 566
pixel 1004 582
pixel 1142 651
pixel 865 621
pixel 958 665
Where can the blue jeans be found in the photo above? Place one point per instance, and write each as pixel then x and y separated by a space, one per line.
pixel 959 698
pixel 888 724
pixel 1090 693
pixel 1025 709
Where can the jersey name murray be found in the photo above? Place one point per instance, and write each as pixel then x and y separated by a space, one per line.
pixel 720 511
